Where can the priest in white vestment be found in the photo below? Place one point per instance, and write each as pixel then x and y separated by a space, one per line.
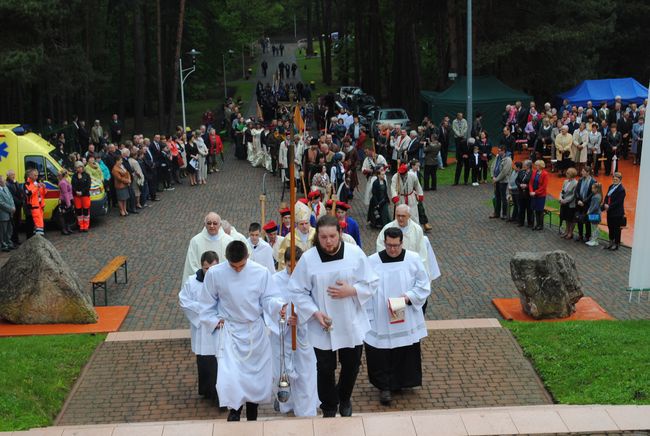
pixel 397 323
pixel 234 297
pixel 202 340
pixel 330 285
pixel 260 250
pixel 300 365
pixel 211 238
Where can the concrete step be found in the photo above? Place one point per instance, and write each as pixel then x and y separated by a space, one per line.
pixel 558 419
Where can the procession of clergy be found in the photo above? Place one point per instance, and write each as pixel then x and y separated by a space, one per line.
pixel 240 309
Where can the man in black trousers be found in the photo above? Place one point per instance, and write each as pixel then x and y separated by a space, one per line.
pixel 463 148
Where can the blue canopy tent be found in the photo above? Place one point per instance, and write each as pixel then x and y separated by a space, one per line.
pixel 598 91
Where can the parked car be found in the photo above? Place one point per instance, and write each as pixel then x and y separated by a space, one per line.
pixel 394 116
pixel 345 91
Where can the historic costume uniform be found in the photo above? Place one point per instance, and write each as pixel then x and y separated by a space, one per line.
pixel 407 191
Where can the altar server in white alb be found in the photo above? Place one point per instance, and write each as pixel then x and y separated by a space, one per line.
pixel 260 250
pixel 300 364
pixel 202 339
pixel 396 319
pixel 330 285
pixel 234 296
pixel 211 238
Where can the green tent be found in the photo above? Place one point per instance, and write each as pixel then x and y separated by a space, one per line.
pixel 490 98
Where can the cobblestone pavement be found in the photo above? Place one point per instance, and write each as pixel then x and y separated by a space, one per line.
pixel 156 380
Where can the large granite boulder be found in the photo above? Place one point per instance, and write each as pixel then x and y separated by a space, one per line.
pixel 548 283
pixel 38 287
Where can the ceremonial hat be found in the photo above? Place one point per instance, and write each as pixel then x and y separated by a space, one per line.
pixel 284 212
pixel 403 169
pixel 302 200
pixel 343 205
pixel 314 194
pixel 328 204
pixel 303 212
pixel 270 227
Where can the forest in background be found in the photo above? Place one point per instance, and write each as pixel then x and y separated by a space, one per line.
pixel 96 57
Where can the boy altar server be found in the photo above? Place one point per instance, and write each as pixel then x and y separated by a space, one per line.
pixel 330 285
pixel 234 296
pixel 202 341
pixel 260 250
pixel 396 318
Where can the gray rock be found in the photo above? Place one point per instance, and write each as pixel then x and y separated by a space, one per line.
pixel 38 287
pixel 548 283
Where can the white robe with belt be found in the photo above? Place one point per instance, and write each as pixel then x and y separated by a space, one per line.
pixel 201 243
pixel 300 364
pixel 203 340
pixel 245 370
pixel 408 192
pixel 397 279
pixel 308 286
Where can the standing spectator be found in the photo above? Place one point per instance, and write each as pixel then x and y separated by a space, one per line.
pixel 443 136
pixel 485 149
pixel 378 209
pixel 513 190
pixel 580 145
pixel 81 194
pixel 614 205
pixel 463 148
pixel 83 137
pixel 537 188
pixel 593 213
pixel 7 209
pixel 216 148
pixel 475 165
pixel 116 129
pixel 122 180
pixel 525 210
pixel 613 146
pixel 459 128
pixel 265 67
pixel 202 171
pixel 508 141
pixel 625 127
pixel 583 200
pixel 150 170
pixel 568 202
pixel 594 148
pixel 431 149
pixel 19 200
pixel 281 48
pixel 563 150
pixel 637 139
pixel 97 134
pixel 137 179
pixel 66 209
pixel 501 170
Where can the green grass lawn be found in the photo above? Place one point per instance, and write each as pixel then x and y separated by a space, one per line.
pixel 310 69
pixel 589 362
pixel 36 375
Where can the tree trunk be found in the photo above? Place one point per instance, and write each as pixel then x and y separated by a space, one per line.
pixel 327 17
pixel 358 32
pixel 175 76
pixel 138 58
pixel 452 19
pixel 148 66
pixel 406 78
pixel 321 33
pixel 122 65
pixel 442 46
pixel 310 43
pixel 161 99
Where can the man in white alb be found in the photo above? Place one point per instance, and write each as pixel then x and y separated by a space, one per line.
pixel 211 238
pixel 260 250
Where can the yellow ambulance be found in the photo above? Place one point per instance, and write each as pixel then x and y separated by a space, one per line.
pixel 21 150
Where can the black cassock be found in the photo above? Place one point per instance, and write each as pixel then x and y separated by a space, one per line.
pixel 394 368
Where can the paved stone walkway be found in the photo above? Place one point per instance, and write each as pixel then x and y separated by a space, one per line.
pixel 155 380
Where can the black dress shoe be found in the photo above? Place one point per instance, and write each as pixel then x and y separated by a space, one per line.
pixel 251 411
pixel 345 409
pixel 614 248
pixel 385 398
pixel 329 413
pixel 234 415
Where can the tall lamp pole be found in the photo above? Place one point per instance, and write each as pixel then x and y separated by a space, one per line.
pixel 183 76
pixel 470 74
pixel 225 86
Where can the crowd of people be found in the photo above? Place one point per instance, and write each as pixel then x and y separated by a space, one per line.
pixel 343 301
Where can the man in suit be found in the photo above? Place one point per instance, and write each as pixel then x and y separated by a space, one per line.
pixel 508 141
pixel 443 137
pixel 413 148
pixel 625 127
pixel 573 124
pixel 501 170
pixel 116 128
pixel 83 137
pixel 157 150
pixel 616 113
pixel 462 159
pixel 603 111
pixel 150 169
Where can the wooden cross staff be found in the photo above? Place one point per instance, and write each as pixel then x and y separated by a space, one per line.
pixel 292 202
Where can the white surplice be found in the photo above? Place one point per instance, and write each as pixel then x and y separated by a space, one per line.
pixel 245 371
pixel 396 279
pixel 262 254
pixel 300 364
pixel 203 341
pixel 407 192
pixel 201 243
pixel 308 286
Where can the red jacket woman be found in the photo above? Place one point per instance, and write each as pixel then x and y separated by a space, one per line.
pixel 537 187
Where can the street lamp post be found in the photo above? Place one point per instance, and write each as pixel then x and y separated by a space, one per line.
pixel 225 87
pixel 183 76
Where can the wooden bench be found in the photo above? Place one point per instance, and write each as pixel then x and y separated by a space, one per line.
pixel 550 211
pixel 102 277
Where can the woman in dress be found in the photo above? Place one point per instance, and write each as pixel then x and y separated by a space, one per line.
pixel 138 176
pixel 537 188
pixel 614 205
pixel 192 163
pixel 321 181
pixel 65 203
pixel 122 180
pixel 568 202
pixel 202 170
pixel 378 209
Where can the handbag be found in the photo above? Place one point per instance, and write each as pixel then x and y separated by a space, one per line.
pixel 594 217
